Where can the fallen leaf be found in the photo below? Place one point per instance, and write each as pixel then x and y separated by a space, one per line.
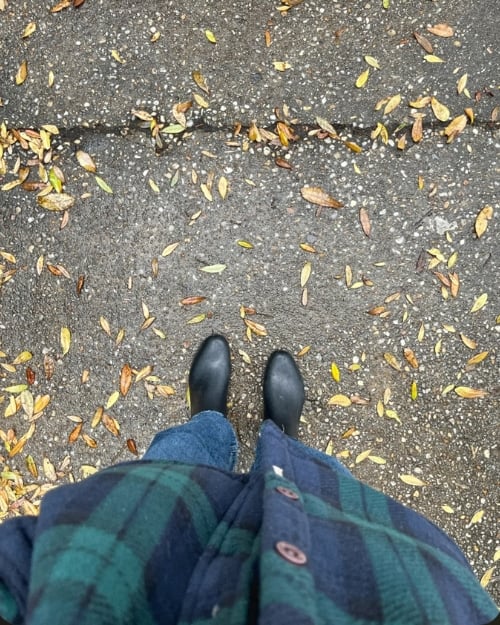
pixel 335 371
pixel 486 578
pixel 482 219
pixel 318 196
pixel 372 61
pixel 363 456
pixel 104 323
pixel 217 268
pixel 409 354
pixel 29 30
pixel 170 248
pixel 364 219
pixel 210 36
pixel 223 187
pixel 441 30
pixel 257 328
pixel 475 360
pixel 440 110
pixel 424 42
pixel 392 361
pixel 125 379
pixel 432 58
pixel 199 79
pixel 362 79
pixel 305 274
pixel 56 201
pixel 103 185
pixel 479 303
pixel 470 393
pixel 132 447
pixel 412 480
pixel 65 340
pixel 197 318
pixel 392 104
pixel 22 73
pixel 461 83
pixel 281 66
pixel 340 400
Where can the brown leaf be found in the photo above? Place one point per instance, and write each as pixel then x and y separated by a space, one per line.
pixel 318 196
pixel 49 366
pixel 111 424
pixel 424 42
pixel 417 129
pixel 56 201
pixel 80 284
pixel 364 219
pixel 132 447
pixel 409 354
pixel 125 379
pixel 281 162
pixel 75 433
pixel 194 299
pixel 441 30
pixel 199 79
pixel 255 327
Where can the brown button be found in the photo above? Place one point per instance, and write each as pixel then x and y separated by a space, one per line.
pixel 290 552
pixel 288 492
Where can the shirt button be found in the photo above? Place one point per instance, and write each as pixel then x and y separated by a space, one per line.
pixel 290 552
pixel 287 492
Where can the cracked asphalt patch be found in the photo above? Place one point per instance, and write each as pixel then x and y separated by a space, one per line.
pixel 425 197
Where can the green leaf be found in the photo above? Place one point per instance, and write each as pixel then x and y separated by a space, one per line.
pixel 103 184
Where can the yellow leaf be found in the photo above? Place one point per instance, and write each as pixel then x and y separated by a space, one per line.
pixel 392 361
pixel 65 340
pixel 199 79
pixel 377 459
pixel 12 408
pixel 329 448
pixel 206 192
pixel 29 30
pixel 339 400
pixel 380 408
pixel 362 456
pixel 462 81
pixel 440 110
pixel 223 187
pixel 153 185
pixel 486 578
pixel 335 371
pixel 197 318
pixel 477 517
pixel 479 303
pixel 305 274
pixel 475 360
pixel 105 325
pixel 27 402
pixel 22 358
pixel 170 248
pixel 281 66
pixel 245 244
pixel 392 104
pixel 412 480
pixel 470 343
pixel 257 328
pixel 470 393
pixel 448 509
pixel 303 351
pixel 316 195
pixel 103 184
pixel 372 62
pixel 116 55
pixel 41 402
pixel 432 58
pixel 392 414
pixel 86 161
pixel 414 390
pixel 482 219
pixel 22 73
pixel 210 36
pixel 56 201
pixel 362 79
pixel 112 399
pixel 200 101
pixel 218 268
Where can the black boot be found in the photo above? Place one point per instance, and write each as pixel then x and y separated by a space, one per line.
pixel 283 392
pixel 209 376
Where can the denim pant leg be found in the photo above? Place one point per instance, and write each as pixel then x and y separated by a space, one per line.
pixel 208 438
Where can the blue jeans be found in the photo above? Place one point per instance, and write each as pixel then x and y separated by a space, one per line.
pixel 208 438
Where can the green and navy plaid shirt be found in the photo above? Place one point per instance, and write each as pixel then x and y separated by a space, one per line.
pixel 150 543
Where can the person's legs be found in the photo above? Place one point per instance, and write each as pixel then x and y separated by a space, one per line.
pixel 208 438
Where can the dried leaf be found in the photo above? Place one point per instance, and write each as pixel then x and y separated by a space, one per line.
pixel 392 361
pixel 440 110
pixel 409 354
pixel 424 42
pixel 318 196
pixel 111 424
pixel 197 318
pixel 56 201
pixel 392 104
pixel 482 219
pixel 305 274
pixel 475 360
pixel 362 79
pixel 104 323
pixel 200 101
pixel 65 340
pixel 479 303
pixel 49 366
pixel 199 79
pixel 29 30
pixel 194 299
pixel 461 83
pixel 257 328
pixel 417 129
pixel 223 187
pixel 75 433
pixel 170 248
pixel 340 400
pixel 432 58
pixel 125 379
pixel 470 393
pixel 477 517
pixel 22 73
pixel 364 220
pixel 372 62
pixel 132 447
pixel 22 358
pixel 363 456
pixel 49 470
pixel 112 399
pixel 412 480
pixel 486 578
pixel 441 30
pixel 281 66
pixel 455 127
pixel 218 268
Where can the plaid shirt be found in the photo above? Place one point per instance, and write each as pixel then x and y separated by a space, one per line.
pixel 149 543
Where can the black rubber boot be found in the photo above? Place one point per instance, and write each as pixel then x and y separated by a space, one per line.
pixel 209 376
pixel 283 392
